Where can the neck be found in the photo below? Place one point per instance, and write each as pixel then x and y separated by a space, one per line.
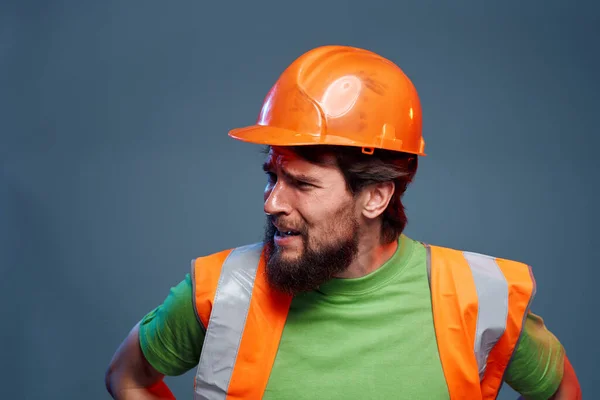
pixel 372 254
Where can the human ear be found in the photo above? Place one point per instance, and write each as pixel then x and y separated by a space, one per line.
pixel 376 197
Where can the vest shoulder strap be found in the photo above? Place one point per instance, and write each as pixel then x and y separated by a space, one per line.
pixel 244 322
pixel 205 273
pixel 479 306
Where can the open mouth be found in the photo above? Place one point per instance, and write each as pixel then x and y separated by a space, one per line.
pixel 286 233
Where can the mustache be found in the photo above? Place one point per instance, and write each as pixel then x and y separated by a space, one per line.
pixel 275 220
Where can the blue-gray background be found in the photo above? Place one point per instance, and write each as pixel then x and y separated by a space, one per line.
pixel 117 169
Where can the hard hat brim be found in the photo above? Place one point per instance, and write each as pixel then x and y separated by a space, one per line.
pixel 274 136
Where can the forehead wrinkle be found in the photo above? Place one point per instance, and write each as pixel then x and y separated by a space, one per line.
pixel 278 163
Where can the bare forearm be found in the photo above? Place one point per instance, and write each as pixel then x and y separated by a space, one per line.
pixel 131 377
pixel 569 388
pixel 136 384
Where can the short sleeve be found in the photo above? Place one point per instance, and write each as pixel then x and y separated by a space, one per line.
pixel 536 369
pixel 170 335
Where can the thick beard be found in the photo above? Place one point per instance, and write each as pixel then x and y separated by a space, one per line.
pixel 314 266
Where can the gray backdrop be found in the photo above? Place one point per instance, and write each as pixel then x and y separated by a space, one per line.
pixel 117 169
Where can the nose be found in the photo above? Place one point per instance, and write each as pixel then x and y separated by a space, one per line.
pixel 277 199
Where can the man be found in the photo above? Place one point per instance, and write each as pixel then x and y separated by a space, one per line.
pixel 337 302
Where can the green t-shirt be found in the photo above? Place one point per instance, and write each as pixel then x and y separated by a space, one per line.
pixel 370 337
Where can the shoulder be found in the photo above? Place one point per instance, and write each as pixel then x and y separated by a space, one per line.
pixel 175 305
pixel 223 254
pixel 211 263
pixel 206 272
pixel 476 259
pixel 505 274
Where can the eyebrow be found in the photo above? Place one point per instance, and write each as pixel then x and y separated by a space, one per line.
pixel 268 167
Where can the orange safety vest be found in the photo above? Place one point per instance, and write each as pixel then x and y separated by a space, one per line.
pixel 479 306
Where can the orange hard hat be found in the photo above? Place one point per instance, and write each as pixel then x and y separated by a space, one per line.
pixel 340 95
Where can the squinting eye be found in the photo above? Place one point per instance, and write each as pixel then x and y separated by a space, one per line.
pixel 303 185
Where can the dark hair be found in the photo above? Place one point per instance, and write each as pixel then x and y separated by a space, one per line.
pixel 361 170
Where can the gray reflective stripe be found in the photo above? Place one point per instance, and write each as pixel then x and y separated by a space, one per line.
pixel 492 298
pixel 226 323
